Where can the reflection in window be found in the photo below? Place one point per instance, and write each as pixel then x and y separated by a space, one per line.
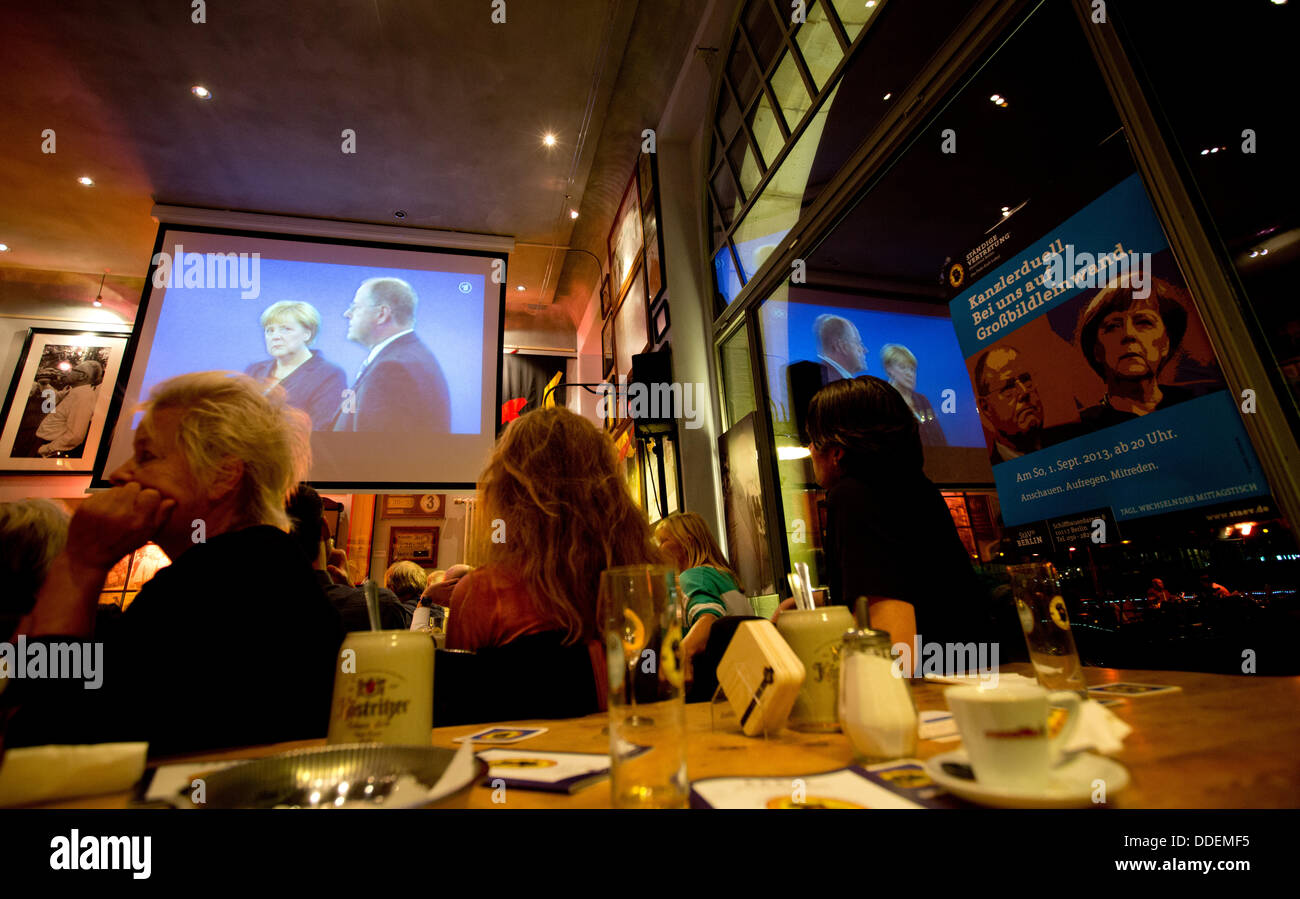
pixel 854 14
pixel 817 42
pixel 728 279
pixel 790 91
pixel 737 383
pixel 777 210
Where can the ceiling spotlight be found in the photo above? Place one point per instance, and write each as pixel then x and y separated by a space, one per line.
pixel 996 97
pixel 549 140
pixel 1214 149
pixel 97 303
pixel 888 95
pixel 399 214
pixel 201 92
pixel 1275 3
pixel 1205 152
pixel 573 213
pixel 4 248
pixel 1254 253
pixel 1263 252
pixel 86 181
pixel 519 287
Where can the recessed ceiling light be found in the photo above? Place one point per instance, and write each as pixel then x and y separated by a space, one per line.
pixel 4 248
pixel 888 95
pixel 399 214
pixel 549 140
pixel 201 92
pixel 573 213
pixel 519 287
pixel 86 181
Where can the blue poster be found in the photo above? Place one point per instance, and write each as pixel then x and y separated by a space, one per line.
pixel 1096 383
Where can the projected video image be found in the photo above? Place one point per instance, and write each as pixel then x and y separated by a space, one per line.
pixel 391 351
pixel 357 348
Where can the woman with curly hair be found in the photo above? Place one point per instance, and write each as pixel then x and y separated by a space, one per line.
pixel 556 512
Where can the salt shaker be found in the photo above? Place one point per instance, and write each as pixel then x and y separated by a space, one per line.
pixel 876 710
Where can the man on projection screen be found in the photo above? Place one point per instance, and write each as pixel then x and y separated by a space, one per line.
pixel 400 386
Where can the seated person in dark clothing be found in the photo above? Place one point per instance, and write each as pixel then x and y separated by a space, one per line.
pixel 889 535
pixel 308 532
pixel 407 581
pixel 32 534
pixel 553 482
pixel 231 644
pixel 1128 340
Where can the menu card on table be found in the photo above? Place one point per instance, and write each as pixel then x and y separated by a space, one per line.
pixel 901 784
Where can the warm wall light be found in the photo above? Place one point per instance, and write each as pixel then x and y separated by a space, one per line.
pixel 88 182
pixel 201 92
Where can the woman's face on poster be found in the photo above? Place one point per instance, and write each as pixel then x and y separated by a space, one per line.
pixel 1133 343
pixel 286 337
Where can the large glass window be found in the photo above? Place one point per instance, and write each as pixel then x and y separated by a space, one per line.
pixel 1233 129
pixel 780 79
pixel 1006 159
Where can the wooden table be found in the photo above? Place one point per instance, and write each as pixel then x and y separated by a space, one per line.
pixel 1223 742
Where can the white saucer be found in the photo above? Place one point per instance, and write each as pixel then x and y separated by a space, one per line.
pixel 1069 786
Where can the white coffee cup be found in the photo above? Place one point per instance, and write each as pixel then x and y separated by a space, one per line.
pixel 1008 734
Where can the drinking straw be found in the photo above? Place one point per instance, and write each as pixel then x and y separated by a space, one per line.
pixel 806 579
pixel 372 604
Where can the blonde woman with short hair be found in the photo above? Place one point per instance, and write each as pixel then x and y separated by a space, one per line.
pixel 312 384
pixel 407 580
pixel 231 644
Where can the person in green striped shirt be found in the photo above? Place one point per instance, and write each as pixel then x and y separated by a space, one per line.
pixel 711 586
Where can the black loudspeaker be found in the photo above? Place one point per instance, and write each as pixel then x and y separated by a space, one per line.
pixel 651 402
pixel 805 379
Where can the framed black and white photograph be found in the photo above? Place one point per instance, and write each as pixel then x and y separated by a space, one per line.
pixel 605 301
pixel 607 349
pixel 54 413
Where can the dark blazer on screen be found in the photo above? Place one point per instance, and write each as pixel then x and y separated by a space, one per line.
pixel 403 389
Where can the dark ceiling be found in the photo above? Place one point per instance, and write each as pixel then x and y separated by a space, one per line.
pixel 448 108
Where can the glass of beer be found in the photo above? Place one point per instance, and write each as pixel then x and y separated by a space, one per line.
pixel 383 689
pixel 641 619
pixel 1047 627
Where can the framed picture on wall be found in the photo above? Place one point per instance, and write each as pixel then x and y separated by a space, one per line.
pixel 607 349
pixel 645 177
pixel 53 415
pixel 419 545
pixel 411 505
pixel 631 335
pixel 605 302
pixel 624 241
pixel 654 266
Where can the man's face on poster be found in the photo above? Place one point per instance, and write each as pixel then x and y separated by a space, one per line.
pixel 1010 399
pixel 1132 344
